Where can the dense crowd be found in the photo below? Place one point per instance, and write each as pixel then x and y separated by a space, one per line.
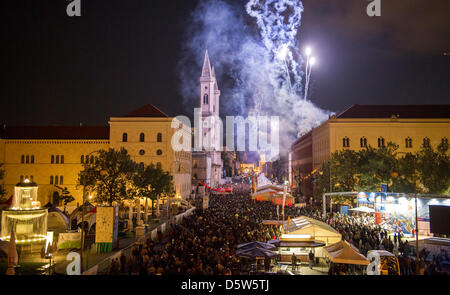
pixel 205 242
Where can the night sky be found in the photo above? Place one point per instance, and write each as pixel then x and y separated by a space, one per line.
pixel 120 55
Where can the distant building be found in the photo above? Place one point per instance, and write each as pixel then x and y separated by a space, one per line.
pixel 409 126
pixel 54 155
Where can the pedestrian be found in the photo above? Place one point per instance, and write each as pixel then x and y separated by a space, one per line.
pixel 311 259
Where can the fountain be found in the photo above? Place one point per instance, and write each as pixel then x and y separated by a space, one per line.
pixel 26 218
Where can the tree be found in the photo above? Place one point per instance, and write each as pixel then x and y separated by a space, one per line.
pixel 65 197
pixel 376 166
pixel 151 182
pixel 2 188
pixel 433 169
pixel 109 175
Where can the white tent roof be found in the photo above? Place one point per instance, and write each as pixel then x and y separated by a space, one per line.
pixel 363 209
pixel 343 252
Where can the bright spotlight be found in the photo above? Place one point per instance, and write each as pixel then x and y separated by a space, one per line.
pixel 308 51
pixel 312 61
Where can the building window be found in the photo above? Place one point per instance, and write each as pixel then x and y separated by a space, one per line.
pixel 408 142
pixel 124 137
pixel 346 142
pixel 159 137
pixel 195 163
pixel 159 152
pixel 31 179
pixel 57 159
pixel 56 179
pixel 86 159
pixel 32 159
pixel 28 159
pixel 51 179
pixel 22 159
pixel 142 137
pixel 380 142
pixel 62 159
pixel 426 142
pixel 444 141
pixel 82 159
pixel 92 160
pixel 205 99
pixel 61 179
pixel 52 159
pixel 141 152
pixel 21 178
pixel 158 165
pixel 363 142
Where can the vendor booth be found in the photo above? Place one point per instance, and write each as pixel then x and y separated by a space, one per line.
pixel 345 253
pixel 304 234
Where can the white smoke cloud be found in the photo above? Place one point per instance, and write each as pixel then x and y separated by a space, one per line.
pixel 258 67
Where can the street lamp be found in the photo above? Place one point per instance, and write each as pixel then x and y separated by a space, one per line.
pixel 85 166
pixel 395 174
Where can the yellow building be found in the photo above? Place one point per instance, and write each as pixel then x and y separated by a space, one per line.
pixel 54 155
pixel 409 126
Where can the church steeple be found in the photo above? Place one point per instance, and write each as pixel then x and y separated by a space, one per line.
pixel 206 71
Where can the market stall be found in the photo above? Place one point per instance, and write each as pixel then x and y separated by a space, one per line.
pixel 345 253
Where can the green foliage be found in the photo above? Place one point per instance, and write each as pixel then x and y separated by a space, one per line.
pixel 65 196
pixel 109 174
pixel 150 182
pixel 434 169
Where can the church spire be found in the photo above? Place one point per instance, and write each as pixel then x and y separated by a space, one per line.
pixel 206 71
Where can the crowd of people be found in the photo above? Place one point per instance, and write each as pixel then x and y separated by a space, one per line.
pixel 205 243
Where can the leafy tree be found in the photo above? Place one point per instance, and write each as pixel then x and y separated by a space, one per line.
pixel 109 175
pixel 376 166
pixel 65 196
pixel 403 174
pixel 433 169
pixel 151 182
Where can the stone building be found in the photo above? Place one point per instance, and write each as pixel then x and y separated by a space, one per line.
pixel 409 126
pixel 53 156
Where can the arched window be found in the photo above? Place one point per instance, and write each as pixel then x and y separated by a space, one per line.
pixel 124 137
pixel 159 137
pixel 426 142
pixel 61 179
pixel 82 159
pixel 32 159
pixel 408 142
pixel 62 159
pixel 92 160
pixel 159 152
pixel 380 142
pixel 142 137
pixel 57 159
pixel 22 159
pixel 28 159
pixel 205 99
pixel 52 159
pixel 51 179
pixel 56 179
pixel 363 142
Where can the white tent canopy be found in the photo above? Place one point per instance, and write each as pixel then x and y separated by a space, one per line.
pixel 343 252
pixel 363 209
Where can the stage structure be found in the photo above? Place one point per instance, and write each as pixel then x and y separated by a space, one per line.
pixel 396 212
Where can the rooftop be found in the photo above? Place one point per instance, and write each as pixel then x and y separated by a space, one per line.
pixel 399 111
pixel 54 132
pixel 149 111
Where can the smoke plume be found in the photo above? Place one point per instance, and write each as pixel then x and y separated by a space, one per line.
pixel 258 65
